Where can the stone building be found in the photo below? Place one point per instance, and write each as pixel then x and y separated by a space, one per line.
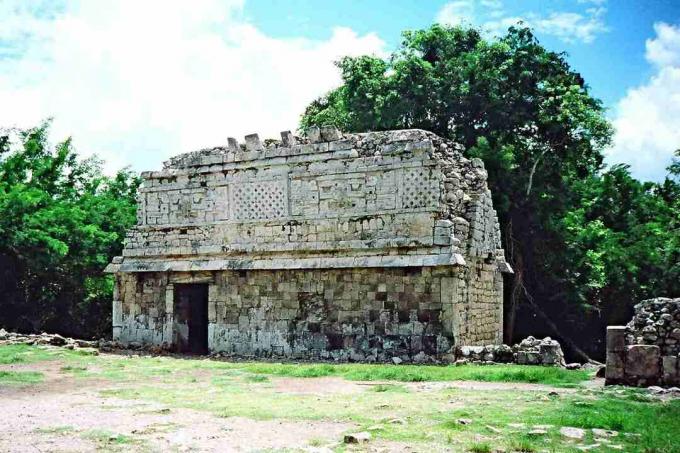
pixel 349 247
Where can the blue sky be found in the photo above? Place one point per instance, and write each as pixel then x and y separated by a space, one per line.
pixel 611 63
pixel 137 82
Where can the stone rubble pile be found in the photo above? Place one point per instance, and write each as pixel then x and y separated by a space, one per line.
pixel 646 352
pixel 656 322
pixel 45 339
pixel 530 351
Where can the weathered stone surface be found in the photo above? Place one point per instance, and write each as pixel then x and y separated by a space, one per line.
pixel 572 433
pixel 643 361
pixel 358 247
pixel 357 438
pixel 651 351
pixel 616 338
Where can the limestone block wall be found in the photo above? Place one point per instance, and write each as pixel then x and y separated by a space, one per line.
pixel 647 350
pixel 342 314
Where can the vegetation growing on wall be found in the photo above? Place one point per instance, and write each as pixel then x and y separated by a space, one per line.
pixel 586 242
pixel 61 222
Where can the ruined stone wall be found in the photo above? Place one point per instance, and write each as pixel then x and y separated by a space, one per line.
pixel 647 350
pixel 342 314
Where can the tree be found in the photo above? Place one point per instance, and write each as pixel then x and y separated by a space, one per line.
pixel 61 221
pixel 533 121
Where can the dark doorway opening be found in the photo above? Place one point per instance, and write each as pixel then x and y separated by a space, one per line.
pixel 191 317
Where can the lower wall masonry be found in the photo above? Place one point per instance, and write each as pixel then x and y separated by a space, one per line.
pixel 361 314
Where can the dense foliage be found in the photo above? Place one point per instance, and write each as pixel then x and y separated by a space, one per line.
pixel 61 221
pixel 585 243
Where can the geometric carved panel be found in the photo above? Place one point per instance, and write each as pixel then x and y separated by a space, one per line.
pixel 419 188
pixel 259 200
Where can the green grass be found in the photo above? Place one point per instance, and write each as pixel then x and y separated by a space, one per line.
pixel 20 377
pixel 63 429
pixel 422 373
pixel 380 388
pixel 22 353
pixel 481 447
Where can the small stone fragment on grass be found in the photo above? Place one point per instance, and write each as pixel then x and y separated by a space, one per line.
pixel 542 426
pixel 397 421
pixel 516 425
pixel 587 447
pixel 572 433
pixel 493 429
pixel 464 421
pixel 396 360
pixel 604 433
pixel 656 390
pixel 357 438
pixel 537 432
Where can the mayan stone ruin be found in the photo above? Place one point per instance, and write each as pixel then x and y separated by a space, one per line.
pixel 360 247
pixel 647 350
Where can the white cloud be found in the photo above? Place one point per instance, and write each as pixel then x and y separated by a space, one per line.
pixel 457 13
pixel 664 50
pixel 136 82
pixel 647 119
pixel 567 26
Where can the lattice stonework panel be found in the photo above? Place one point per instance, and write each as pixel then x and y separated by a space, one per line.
pixel 420 188
pixel 259 200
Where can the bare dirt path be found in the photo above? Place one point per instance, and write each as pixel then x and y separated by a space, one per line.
pixel 66 414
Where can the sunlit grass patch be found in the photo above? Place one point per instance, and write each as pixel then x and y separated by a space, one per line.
pixel 107 437
pixel 23 353
pixel 422 373
pixel 61 429
pixel 20 377
pixel 255 378
pixel 380 388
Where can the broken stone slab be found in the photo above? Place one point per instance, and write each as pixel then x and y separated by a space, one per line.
pixel 357 438
pixel 464 421
pixel 287 139
pixel 314 134
pixel 572 433
pixel 606 433
pixel 330 133
pixel 232 145
pixel 253 142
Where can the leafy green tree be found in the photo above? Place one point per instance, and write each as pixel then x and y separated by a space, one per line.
pixel 61 221
pixel 533 121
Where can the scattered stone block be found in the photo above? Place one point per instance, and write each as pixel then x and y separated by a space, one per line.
pixel 572 433
pixel 357 438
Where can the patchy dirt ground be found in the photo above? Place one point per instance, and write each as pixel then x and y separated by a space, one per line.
pixel 110 402
pixel 63 414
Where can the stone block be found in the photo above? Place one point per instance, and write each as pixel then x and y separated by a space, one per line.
pixel 642 361
pixel 287 139
pixel 671 373
pixel 232 144
pixel 616 338
pixel 330 133
pixel 314 134
pixel 615 371
pixel 253 143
